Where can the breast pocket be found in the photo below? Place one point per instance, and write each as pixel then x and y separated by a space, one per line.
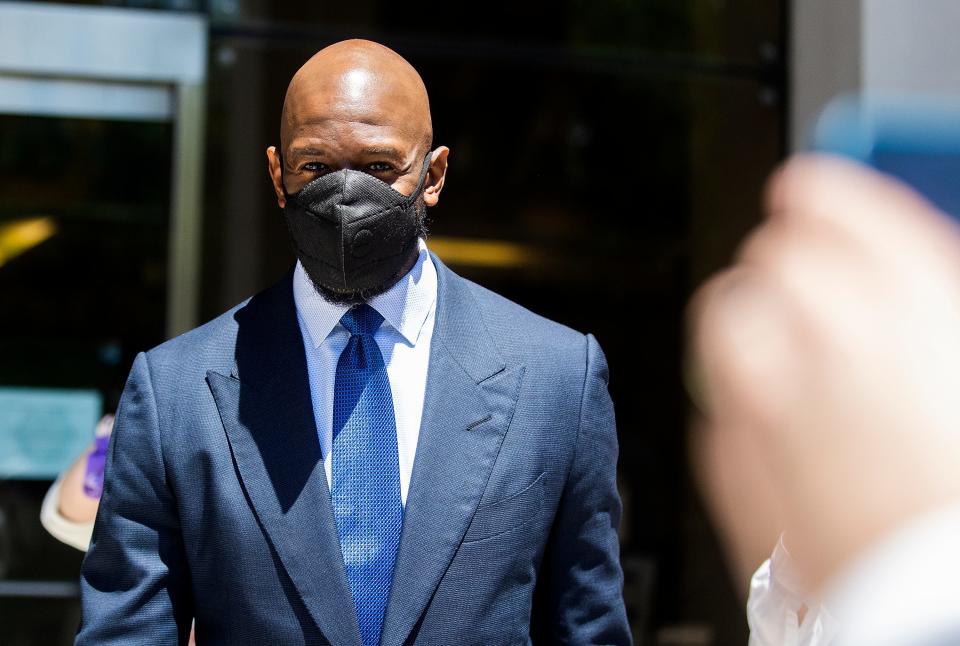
pixel 512 512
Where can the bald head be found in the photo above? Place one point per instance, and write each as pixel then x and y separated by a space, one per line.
pixel 359 105
pixel 358 81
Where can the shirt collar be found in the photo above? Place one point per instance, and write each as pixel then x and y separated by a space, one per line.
pixel 405 306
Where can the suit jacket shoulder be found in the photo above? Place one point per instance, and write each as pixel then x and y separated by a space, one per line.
pixel 209 346
pixel 524 336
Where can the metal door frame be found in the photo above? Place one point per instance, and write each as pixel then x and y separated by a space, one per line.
pixel 129 64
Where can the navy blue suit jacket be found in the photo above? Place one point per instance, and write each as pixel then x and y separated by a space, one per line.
pixel 216 504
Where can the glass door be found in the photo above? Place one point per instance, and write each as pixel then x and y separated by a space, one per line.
pixel 100 157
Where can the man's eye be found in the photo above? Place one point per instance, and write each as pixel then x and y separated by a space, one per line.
pixel 314 167
pixel 379 167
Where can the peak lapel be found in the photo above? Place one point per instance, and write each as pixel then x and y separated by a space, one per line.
pixel 267 414
pixel 470 398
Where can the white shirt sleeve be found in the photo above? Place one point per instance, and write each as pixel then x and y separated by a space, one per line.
pixel 904 588
pixel 773 607
pixel 66 531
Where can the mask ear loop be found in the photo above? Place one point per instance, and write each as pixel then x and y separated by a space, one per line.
pixel 421 182
pixel 283 184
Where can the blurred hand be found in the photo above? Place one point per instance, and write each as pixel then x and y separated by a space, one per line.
pixel 104 427
pixel 829 362
pixel 76 505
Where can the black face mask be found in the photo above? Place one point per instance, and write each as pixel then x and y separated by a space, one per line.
pixel 353 233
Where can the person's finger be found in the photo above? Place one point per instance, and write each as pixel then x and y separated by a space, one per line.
pixel 827 279
pixel 874 208
pixel 740 493
pixel 741 342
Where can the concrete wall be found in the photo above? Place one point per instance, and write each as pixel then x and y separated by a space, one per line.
pixel 841 46
pixel 912 45
pixel 825 58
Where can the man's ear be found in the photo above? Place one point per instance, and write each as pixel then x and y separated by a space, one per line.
pixel 435 176
pixel 275 170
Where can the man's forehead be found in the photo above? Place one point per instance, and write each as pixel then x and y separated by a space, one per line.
pixel 330 133
pixel 326 111
pixel 372 111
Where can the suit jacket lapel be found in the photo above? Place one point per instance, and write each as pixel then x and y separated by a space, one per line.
pixel 267 413
pixel 470 398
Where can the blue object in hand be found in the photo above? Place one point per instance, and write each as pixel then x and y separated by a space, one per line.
pixel 911 137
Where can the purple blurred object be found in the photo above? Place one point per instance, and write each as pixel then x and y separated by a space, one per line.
pixel 93 480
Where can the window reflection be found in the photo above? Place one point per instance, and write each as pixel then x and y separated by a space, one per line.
pixel 83 247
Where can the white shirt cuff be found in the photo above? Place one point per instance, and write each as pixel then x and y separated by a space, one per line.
pixel 903 588
pixel 66 531
pixel 773 608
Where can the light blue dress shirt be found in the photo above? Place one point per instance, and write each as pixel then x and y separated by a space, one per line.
pixel 408 309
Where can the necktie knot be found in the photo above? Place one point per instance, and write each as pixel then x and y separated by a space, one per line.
pixel 361 319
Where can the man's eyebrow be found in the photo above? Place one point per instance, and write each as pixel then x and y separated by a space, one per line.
pixel 386 151
pixel 307 150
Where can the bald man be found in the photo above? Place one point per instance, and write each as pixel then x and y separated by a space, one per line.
pixel 374 450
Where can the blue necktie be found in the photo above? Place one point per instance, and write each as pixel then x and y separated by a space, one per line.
pixel 365 471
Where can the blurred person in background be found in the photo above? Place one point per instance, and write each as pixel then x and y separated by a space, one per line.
pixel 70 506
pixel 262 466
pixel 827 361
